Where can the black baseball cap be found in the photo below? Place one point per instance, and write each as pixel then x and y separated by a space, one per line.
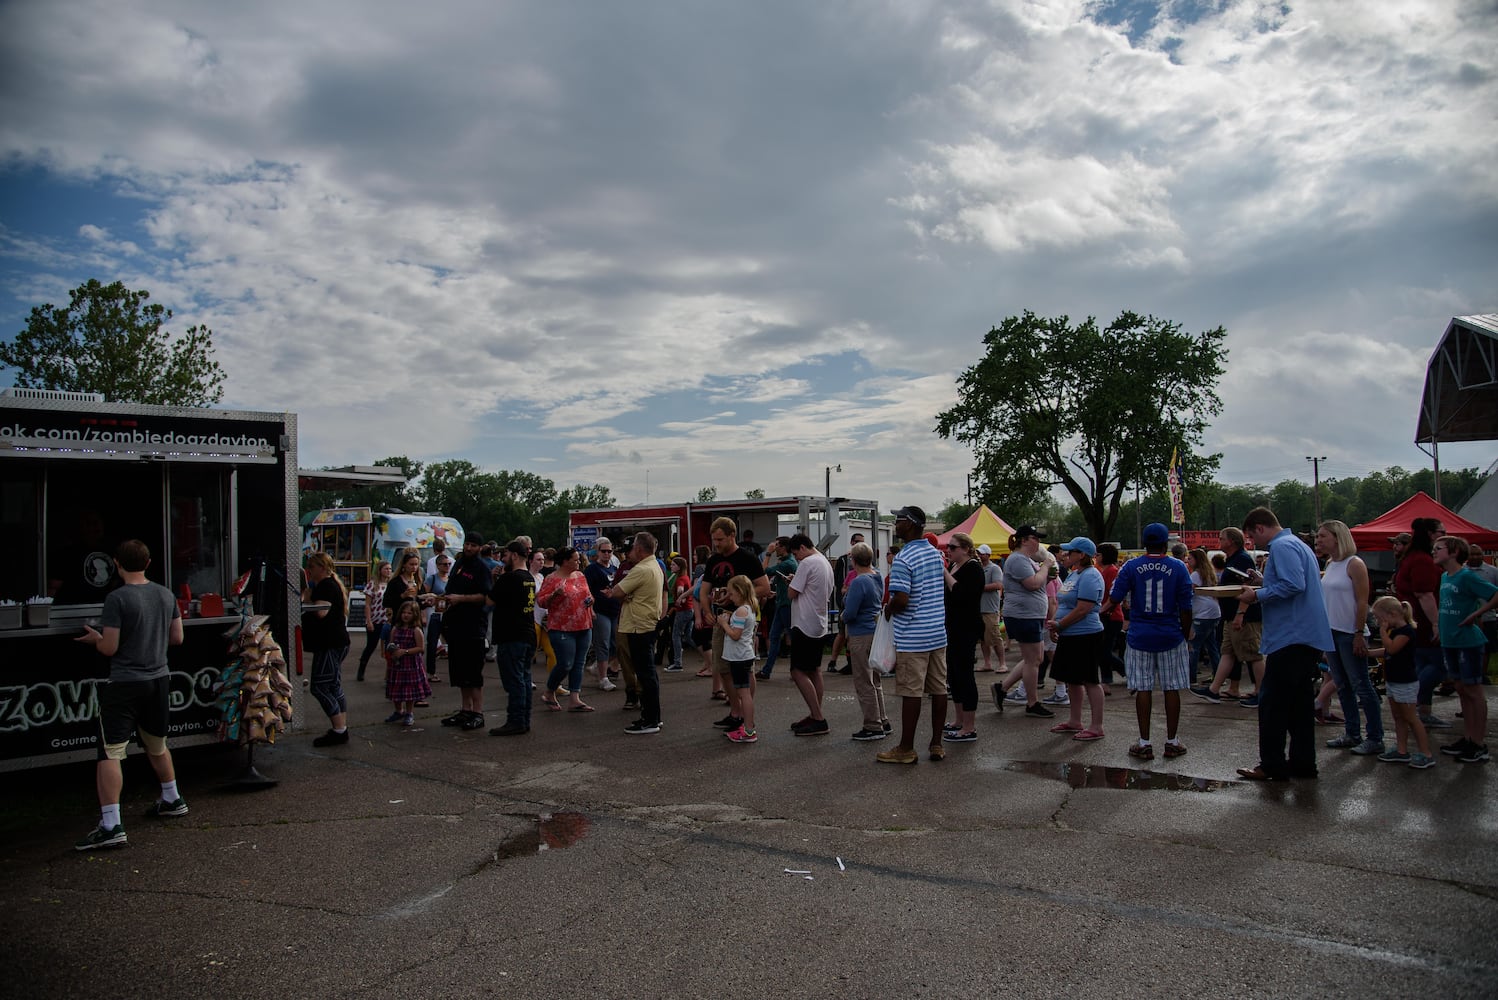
pixel 1028 531
pixel 912 514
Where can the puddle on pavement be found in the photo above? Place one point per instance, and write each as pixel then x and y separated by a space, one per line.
pixel 552 832
pixel 1097 776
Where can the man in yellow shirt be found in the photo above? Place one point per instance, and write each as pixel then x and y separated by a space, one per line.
pixel 640 593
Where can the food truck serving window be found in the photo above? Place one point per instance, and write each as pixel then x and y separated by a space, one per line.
pixel 66 519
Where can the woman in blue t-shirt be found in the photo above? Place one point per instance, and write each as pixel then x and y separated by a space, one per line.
pixel 1078 632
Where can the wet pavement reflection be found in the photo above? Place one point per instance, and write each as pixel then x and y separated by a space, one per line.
pixel 552 832
pixel 1099 776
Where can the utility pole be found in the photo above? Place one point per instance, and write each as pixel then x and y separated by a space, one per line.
pixel 1316 485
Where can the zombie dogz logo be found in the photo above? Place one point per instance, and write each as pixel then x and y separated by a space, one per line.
pixel 28 707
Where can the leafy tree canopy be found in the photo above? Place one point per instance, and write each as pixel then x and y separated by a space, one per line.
pixel 1094 410
pixel 110 340
pixel 707 494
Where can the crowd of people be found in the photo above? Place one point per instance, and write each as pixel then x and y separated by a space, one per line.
pixel 1293 617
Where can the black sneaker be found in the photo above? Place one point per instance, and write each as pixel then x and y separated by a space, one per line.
pixel 631 706
pixel 1458 748
pixel 951 727
pixel 456 719
pixel 100 837
pixel 763 675
pixel 331 739
pixel 887 727
pixel 1207 694
pixel 832 666
pixel 510 729
pixel 958 736
pixel 846 669
pixel 161 810
pixel 998 696
pixel 1039 711
pixel 870 734
pixel 729 722
pixel 474 721
pixel 812 727
pixel 642 728
pixel 1476 754
pixel 1252 701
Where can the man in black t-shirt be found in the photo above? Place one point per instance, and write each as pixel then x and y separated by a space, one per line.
pixel 513 598
pixel 728 560
pixel 465 624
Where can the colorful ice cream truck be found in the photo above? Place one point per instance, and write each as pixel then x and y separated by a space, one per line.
pixel 358 539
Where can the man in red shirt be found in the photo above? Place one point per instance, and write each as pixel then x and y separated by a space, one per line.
pixel 1418 581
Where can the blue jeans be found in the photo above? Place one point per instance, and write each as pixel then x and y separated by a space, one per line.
pixel 1432 671
pixel 779 625
pixel 681 635
pixel 1206 640
pixel 434 632
pixel 1354 689
pixel 327 680
pixel 572 655
pixel 515 674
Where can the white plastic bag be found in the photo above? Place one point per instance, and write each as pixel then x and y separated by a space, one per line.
pixel 882 653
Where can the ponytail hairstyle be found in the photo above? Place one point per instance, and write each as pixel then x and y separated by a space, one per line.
pixel 1391 604
pixel 324 562
pixel 1204 567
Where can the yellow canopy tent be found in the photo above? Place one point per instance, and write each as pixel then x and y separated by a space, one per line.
pixel 987 528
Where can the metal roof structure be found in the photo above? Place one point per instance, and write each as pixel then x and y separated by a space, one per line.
pixel 1460 402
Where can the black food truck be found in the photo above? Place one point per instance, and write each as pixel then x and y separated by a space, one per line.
pixel 213 493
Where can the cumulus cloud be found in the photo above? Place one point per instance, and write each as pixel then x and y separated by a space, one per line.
pixel 737 245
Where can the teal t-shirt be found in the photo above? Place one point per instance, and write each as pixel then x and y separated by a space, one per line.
pixel 1462 593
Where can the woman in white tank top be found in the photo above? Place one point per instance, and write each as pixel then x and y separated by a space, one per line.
pixel 1344 587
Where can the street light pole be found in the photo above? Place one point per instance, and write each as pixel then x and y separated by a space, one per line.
pixel 1316 461
pixel 839 468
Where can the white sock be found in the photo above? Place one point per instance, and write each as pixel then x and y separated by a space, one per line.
pixel 341 731
pixel 1143 742
pixel 109 816
pixel 169 791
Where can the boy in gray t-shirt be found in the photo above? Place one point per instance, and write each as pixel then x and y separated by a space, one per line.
pixel 139 621
pixel 143 613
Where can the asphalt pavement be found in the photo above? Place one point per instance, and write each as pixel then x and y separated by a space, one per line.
pixel 578 861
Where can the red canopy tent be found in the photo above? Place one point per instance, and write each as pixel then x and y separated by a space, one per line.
pixel 1373 536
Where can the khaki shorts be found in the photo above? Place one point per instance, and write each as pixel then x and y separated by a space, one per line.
pixel 922 673
pixel 719 665
pixel 993 630
pixel 1243 642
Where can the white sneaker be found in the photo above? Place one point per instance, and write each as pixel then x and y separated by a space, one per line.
pixel 606 684
pixel 1017 693
pixel 1056 698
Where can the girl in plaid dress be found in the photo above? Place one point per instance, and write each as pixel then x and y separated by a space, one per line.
pixel 406 679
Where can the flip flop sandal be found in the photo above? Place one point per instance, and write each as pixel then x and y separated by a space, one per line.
pixel 580 708
pixel 551 705
pixel 1088 735
pixel 704 673
pixel 1066 727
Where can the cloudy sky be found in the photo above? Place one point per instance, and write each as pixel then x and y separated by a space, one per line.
pixel 732 244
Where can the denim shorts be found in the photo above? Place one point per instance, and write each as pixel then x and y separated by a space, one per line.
pixel 1024 630
pixel 1405 694
pixel 1465 664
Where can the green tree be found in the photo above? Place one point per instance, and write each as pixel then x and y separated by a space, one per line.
pixel 1092 410
pixel 953 513
pixel 462 490
pixel 707 494
pixel 757 493
pixel 110 340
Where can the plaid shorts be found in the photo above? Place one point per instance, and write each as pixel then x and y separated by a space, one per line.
pixel 1170 668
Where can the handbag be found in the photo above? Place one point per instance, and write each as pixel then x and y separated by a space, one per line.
pixel 882 652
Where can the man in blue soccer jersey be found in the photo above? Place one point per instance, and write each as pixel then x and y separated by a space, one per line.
pixel 1158 589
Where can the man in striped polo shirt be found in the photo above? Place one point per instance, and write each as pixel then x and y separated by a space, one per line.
pixel 917 611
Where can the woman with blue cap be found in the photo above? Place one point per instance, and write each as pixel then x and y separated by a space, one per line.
pixel 1078 633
